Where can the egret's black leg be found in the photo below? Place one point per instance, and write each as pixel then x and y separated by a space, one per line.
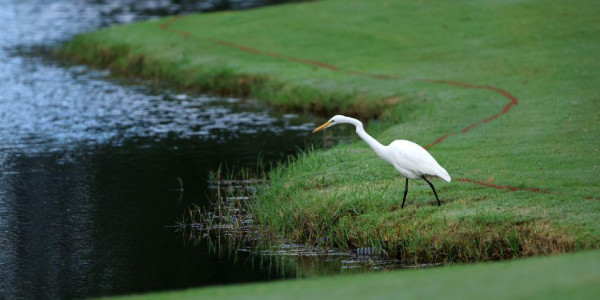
pixel 405 192
pixel 434 192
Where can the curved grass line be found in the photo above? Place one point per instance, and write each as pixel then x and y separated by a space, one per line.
pixel 508 187
pixel 505 109
pixel 512 99
pixel 165 26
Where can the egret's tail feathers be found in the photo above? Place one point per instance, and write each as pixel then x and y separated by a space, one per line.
pixel 443 174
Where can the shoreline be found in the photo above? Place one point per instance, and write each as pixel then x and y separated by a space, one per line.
pixel 509 194
pixel 573 276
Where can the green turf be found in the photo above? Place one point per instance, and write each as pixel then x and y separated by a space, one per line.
pixel 320 56
pixel 571 276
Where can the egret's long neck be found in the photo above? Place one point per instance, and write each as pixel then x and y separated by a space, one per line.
pixel 375 145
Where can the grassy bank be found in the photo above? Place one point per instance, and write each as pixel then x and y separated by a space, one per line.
pixel 571 276
pixel 525 182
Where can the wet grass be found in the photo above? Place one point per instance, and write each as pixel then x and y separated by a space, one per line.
pixel 321 57
pixel 227 226
pixel 570 276
pixel 225 219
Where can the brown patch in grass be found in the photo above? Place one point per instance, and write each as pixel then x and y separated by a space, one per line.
pixel 543 239
pixel 391 101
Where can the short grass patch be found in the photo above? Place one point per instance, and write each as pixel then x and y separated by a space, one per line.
pixel 570 276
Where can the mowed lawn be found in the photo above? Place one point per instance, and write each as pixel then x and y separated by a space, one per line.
pixel 524 182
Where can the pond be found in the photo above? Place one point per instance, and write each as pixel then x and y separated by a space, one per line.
pixel 90 166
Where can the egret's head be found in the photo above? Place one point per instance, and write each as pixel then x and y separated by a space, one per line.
pixel 337 119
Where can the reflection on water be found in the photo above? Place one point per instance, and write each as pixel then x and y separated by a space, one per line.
pixel 89 166
pixel 92 220
pixel 60 107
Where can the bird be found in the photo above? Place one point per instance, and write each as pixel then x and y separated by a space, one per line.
pixel 408 158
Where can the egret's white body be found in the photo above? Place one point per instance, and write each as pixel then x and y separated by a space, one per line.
pixel 413 161
pixel 408 158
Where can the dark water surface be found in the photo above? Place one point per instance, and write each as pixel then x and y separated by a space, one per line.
pixel 89 165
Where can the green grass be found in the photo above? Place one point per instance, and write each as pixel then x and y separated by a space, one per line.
pixel 571 276
pixel 546 53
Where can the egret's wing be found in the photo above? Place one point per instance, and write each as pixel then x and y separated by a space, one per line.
pixel 416 159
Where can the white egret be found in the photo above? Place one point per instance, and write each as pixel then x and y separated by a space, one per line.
pixel 410 159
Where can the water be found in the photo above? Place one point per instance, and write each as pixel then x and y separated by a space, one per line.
pixel 89 165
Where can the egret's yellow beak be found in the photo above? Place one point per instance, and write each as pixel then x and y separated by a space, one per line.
pixel 322 126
